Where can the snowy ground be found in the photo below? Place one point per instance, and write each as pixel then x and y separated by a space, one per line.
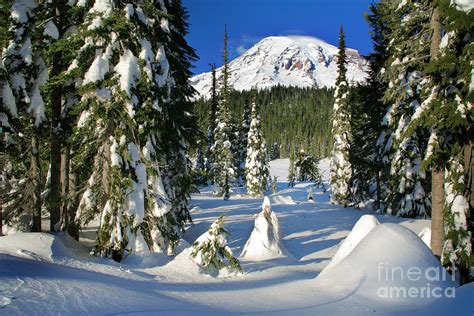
pixel 45 274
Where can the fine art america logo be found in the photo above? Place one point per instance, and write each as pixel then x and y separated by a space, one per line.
pixel 426 282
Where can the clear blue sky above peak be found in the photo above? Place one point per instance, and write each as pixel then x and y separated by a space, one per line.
pixel 248 21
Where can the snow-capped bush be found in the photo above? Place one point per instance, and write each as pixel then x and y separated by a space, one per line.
pixel 210 250
pixel 265 241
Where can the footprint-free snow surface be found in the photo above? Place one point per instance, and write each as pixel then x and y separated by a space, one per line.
pixel 45 274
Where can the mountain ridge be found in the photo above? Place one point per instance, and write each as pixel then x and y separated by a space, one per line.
pixel 293 60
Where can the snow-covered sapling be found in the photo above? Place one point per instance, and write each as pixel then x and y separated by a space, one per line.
pixel 265 241
pixel 210 250
pixel 274 185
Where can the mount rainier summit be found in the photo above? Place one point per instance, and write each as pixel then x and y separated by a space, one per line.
pixel 300 61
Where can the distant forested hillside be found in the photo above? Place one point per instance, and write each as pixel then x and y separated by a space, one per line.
pixel 293 118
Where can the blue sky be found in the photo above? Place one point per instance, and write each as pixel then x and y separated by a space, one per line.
pixel 248 21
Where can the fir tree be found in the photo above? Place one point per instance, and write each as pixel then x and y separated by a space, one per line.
pixel 223 161
pixel 23 117
pixel 367 112
pixel 307 167
pixel 200 167
pixel 275 185
pixel 128 85
pixel 447 114
pixel 256 163
pixel 242 142
pixel 403 148
pixel 181 129
pixel 210 251
pixel 292 171
pixel 212 117
pixel 341 170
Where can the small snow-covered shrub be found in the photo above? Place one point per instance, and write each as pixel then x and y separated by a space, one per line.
pixel 210 250
pixel 264 242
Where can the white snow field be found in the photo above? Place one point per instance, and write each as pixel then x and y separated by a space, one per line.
pixel 43 274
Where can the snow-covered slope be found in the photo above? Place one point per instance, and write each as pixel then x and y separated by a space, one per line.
pixel 301 61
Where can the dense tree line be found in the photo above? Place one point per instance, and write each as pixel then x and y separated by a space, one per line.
pixel 293 118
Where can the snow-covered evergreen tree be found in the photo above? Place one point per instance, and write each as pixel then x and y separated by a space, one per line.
pixel 223 160
pixel 181 127
pixel 210 250
pixel 242 143
pixel 367 111
pixel 307 167
pixel 212 117
pixel 292 171
pixel 128 86
pixel 23 116
pixel 447 113
pixel 403 148
pixel 340 168
pixel 256 163
pixel 200 167
pixel 264 242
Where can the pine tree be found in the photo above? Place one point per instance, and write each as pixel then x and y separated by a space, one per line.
pixel 212 117
pixel 292 171
pixel 307 167
pixel 242 143
pixel 210 250
pixel 23 116
pixel 341 170
pixel 223 161
pixel 256 163
pixel 368 111
pixel 130 79
pixel 448 115
pixel 403 148
pixel 200 167
pixel 181 129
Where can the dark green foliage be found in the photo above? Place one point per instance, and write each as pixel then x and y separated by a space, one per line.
pixel 212 252
pixel 292 171
pixel 222 151
pixel 307 167
pixel 293 117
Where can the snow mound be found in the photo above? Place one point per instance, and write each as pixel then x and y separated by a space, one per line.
pixel 390 261
pixel 279 199
pixel 265 241
pixel 425 235
pixel 363 226
pixel 461 304
pixel 36 246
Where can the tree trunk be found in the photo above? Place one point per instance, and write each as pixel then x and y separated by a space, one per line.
pixel 437 176
pixel 437 207
pixel 36 178
pixel 55 156
pixel 65 186
pixel 469 176
pixel 55 134
pixel 72 205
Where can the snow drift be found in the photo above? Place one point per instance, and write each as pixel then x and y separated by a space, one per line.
pixel 36 246
pixel 425 235
pixel 265 241
pixel 363 226
pixel 390 261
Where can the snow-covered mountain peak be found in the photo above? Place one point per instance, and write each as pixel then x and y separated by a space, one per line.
pixel 293 60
